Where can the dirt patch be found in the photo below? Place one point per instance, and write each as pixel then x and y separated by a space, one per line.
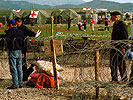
pixel 28 93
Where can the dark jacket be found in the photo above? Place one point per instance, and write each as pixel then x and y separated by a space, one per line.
pixel 27 32
pixel 14 39
pixel 119 31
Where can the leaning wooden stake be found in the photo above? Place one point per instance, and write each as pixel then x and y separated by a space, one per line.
pixel 97 72
pixel 53 55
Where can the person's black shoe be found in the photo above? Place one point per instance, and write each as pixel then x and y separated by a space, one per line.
pixel 20 86
pixel 12 87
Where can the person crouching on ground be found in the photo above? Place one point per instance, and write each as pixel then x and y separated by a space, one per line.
pixel 79 25
pixel 15 43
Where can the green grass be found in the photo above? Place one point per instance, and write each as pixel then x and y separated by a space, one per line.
pixel 97 35
pixel 73 32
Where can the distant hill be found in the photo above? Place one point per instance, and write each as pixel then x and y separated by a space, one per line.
pixel 20 5
pixel 93 4
pixel 53 2
pixel 108 5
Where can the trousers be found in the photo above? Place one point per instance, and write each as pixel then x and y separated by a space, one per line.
pixel 15 64
pixel 116 61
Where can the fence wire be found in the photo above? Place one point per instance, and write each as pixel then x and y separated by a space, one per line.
pixel 78 59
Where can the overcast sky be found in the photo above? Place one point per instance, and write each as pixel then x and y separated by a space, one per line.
pixel 121 1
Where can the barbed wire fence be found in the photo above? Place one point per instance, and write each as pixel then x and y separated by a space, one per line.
pixel 80 56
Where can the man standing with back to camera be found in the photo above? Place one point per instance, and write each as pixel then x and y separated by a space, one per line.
pixel 116 58
pixel 27 32
pixel 15 43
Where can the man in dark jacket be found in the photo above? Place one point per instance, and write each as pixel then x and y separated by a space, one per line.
pixel 106 21
pixel 30 33
pixel 15 44
pixel 69 22
pixel 116 58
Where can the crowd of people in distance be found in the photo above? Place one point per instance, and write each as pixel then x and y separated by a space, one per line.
pixel 83 23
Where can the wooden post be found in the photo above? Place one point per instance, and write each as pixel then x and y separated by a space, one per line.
pixel 53 55
pixel 97 72
pixel 52 23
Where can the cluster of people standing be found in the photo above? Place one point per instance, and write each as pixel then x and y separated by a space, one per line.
pixel 80 24
pixel 84 24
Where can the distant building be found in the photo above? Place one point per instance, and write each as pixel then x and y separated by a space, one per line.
pixel 101 9
pixel 101 14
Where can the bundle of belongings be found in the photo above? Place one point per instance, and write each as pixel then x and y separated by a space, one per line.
pixel 43 76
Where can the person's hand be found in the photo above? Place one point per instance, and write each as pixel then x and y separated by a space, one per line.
pixel 22 55
pixel 123 50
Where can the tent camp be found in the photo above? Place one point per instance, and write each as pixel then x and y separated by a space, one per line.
pixel 57 15
pixel 102 14
pixel 4 14
pixel 41 18
pixel 25 16
pixel 85 13
pixel 68 13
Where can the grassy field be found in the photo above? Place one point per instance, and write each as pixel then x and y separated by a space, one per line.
pixel 73 32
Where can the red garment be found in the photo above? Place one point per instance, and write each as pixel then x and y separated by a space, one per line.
pixel 34 75
pixel 92 21
pixel 8 26
pixel 45 81
pixel 33 79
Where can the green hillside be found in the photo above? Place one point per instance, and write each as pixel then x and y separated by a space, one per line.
pixel 53 2
pixel 93 4
pixel 21 5
pixel 109 5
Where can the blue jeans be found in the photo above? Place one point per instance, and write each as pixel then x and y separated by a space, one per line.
pixel 15 63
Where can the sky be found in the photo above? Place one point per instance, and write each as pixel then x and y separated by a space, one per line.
pixel 121 1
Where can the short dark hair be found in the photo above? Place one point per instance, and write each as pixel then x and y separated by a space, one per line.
pixel 18 19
